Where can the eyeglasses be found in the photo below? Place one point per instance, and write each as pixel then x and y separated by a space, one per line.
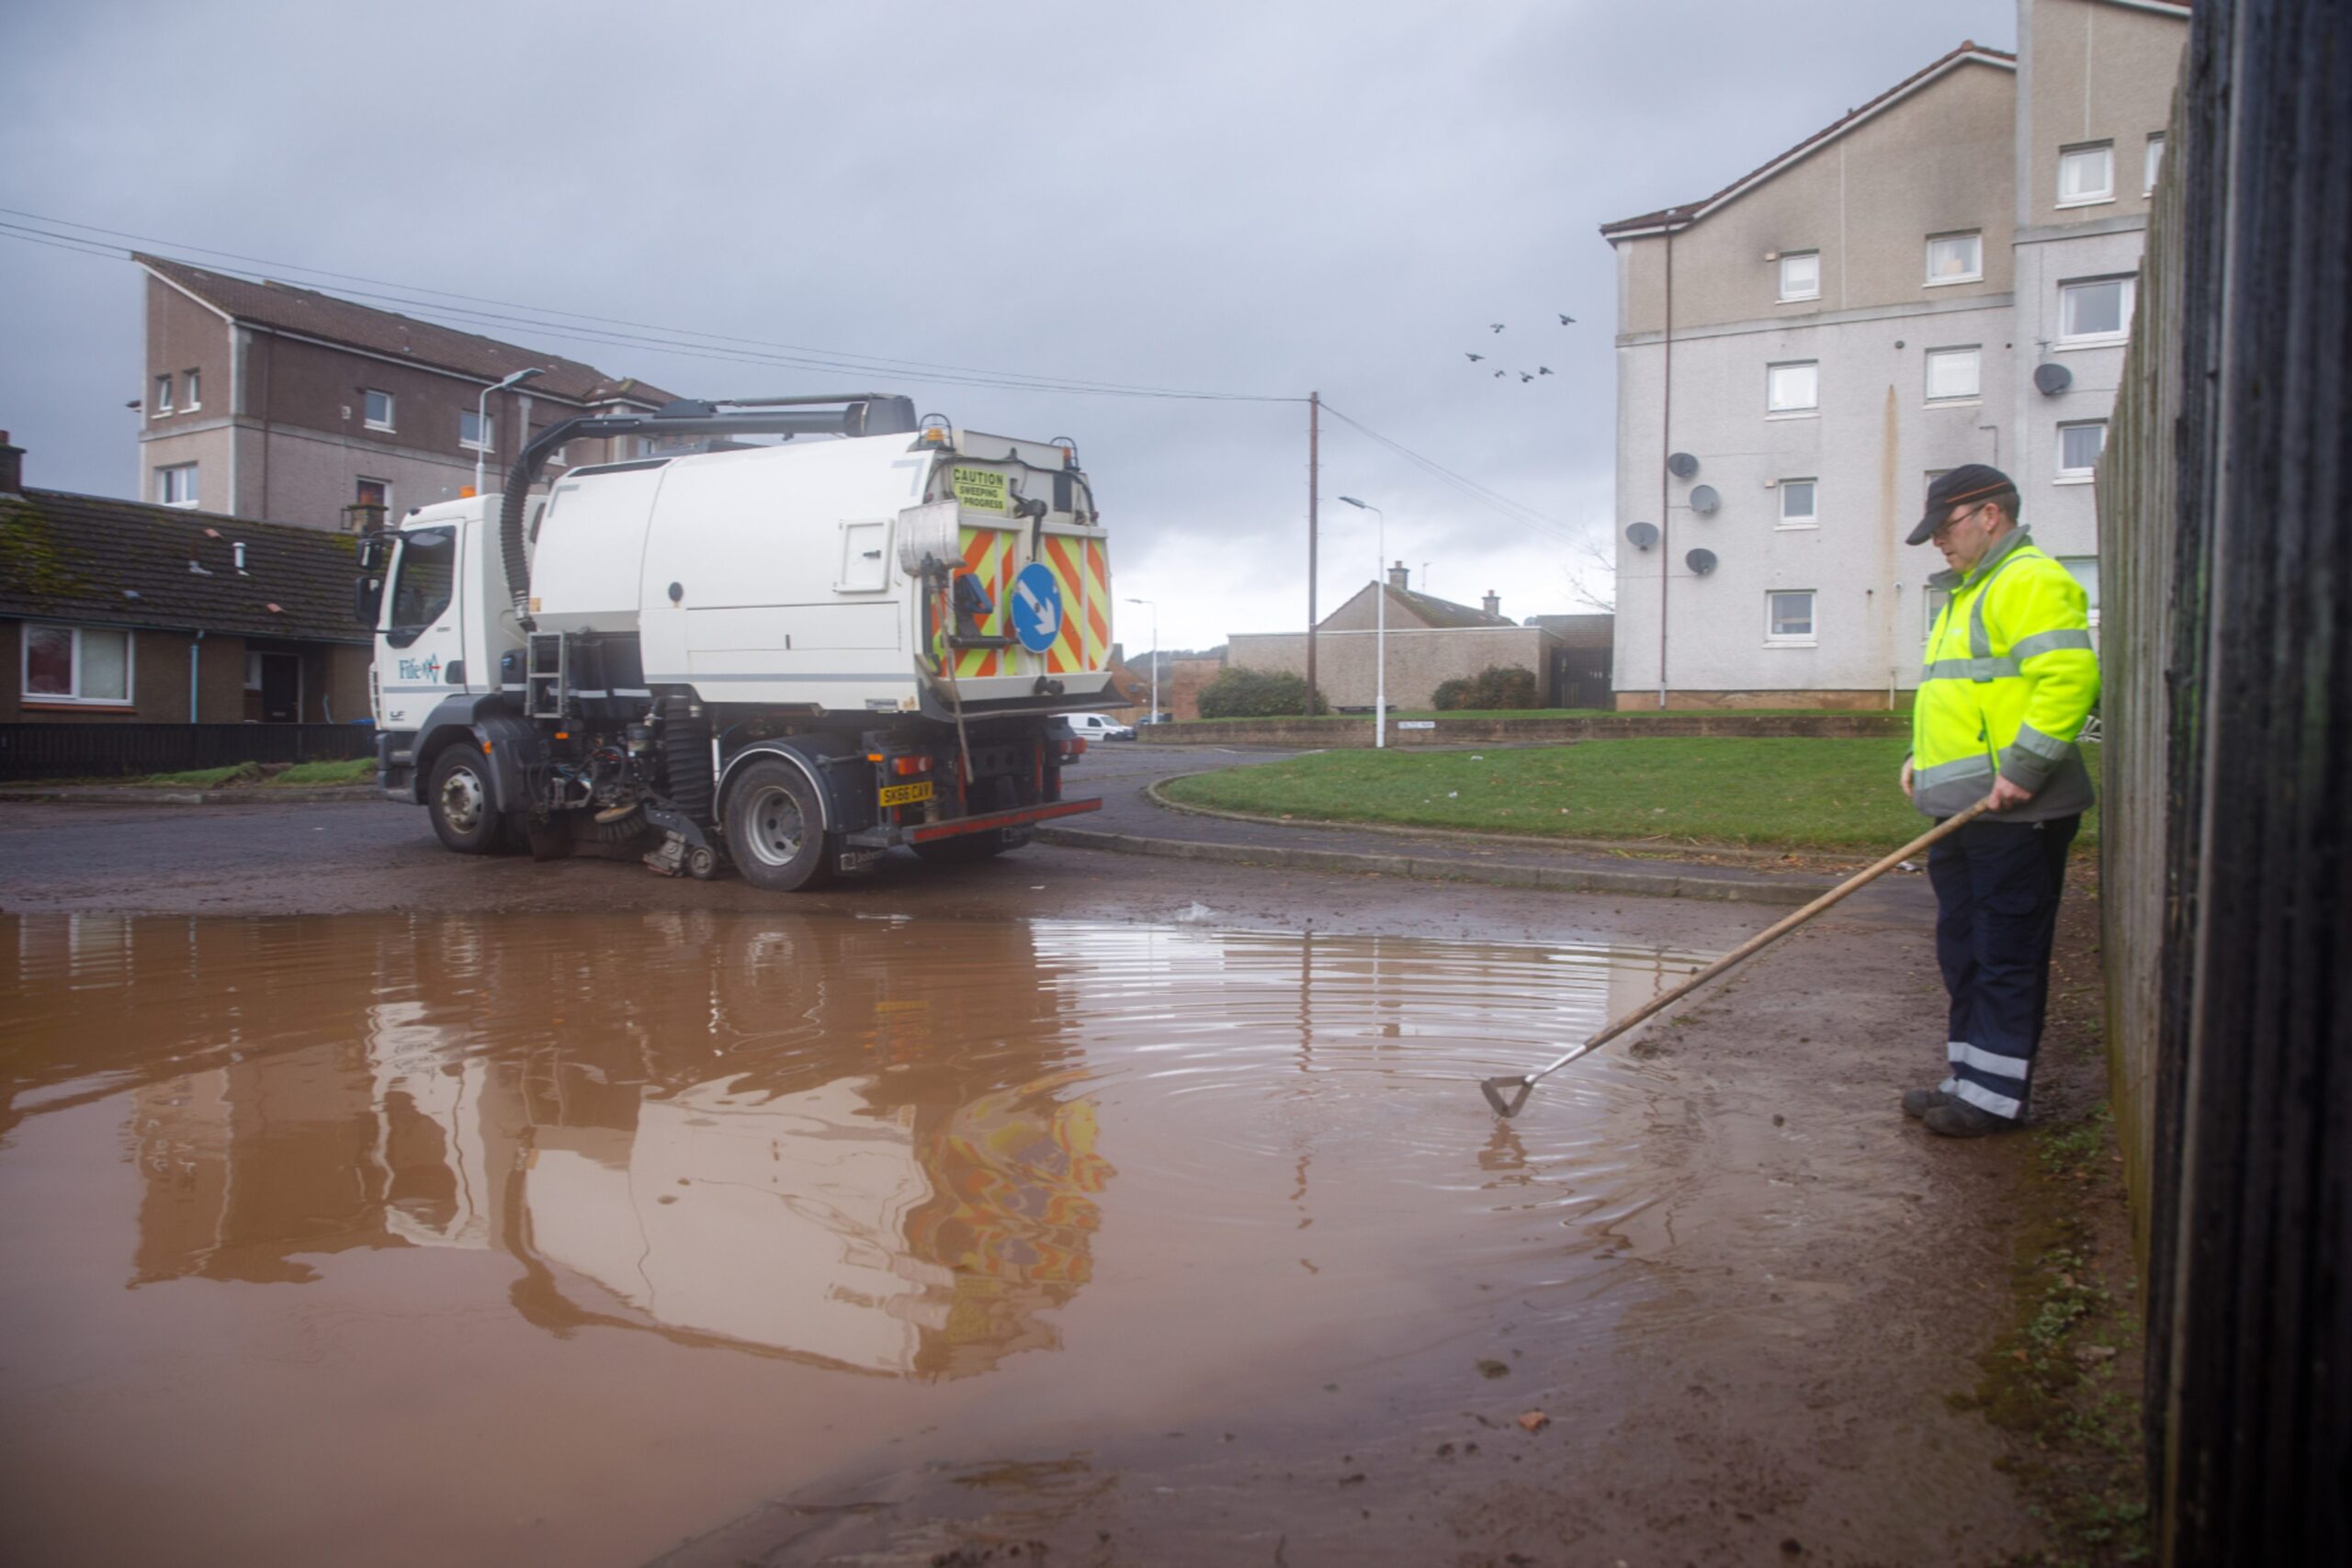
pixel 1949 524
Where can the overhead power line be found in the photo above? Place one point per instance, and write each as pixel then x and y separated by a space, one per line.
pixel 470 314
pixel 1526 517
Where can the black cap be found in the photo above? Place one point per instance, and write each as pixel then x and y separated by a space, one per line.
pixel 1968 482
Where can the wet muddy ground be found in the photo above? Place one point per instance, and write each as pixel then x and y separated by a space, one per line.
pixel 409 1207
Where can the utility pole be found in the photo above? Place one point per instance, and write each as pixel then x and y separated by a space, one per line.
pixel 1314 473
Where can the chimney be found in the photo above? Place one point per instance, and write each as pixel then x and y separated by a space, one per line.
pixel 1396 577
pixel 12 467
pixel 1493 602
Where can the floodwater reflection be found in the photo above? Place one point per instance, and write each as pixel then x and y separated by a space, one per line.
pixel 902 1149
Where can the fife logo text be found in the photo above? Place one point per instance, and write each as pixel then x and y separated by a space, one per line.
pixel 421 669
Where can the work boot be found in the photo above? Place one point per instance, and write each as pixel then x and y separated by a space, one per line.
pixel 1917 1102
pixel 1958 1119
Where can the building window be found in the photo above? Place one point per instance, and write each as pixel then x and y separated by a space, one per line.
pixel 2085 570
pixel 2086 174
pixel 476 433
pixel 1797 505
pixel 1792 387
pixel 77 664
pixel 1956 258
pixel 1954 375
pixel 162 395
pixel 1801 275
pixel 2097 310
pixel 175 486
pixel 379 410
pixel 1936 599
pixel 1787 618
pixel 2155 164
pixel 373 492
pixel 195 391
pixel 2079 446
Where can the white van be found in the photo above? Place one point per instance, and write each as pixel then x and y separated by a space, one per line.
pixel 1099 727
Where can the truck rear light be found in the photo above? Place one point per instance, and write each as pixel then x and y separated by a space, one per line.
pixel 902 766
pixel 1074 746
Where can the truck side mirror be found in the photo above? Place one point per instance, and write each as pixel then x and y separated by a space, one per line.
pixel 366 599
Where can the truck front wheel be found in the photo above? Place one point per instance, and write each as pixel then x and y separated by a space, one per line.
pixel 458 799
pixel 776 828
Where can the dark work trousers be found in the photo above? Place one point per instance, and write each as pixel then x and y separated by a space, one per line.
pixel 1997 886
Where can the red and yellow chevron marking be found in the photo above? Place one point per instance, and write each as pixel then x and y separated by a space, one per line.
pixel 988 555
pixel 1082 569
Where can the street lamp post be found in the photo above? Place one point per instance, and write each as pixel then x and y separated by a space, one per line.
pixel 1380 633
pixel 1155 654
pixel 482 419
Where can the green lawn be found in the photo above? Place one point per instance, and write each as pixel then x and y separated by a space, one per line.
pixel 358 770
pixel 1839 794
pixel 1397 714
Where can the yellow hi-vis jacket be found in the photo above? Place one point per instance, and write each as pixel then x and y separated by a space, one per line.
pixel 2010 677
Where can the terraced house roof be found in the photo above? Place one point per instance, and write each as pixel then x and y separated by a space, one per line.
pixel 96 561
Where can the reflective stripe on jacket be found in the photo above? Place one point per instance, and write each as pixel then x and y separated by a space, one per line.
pixel 2012 674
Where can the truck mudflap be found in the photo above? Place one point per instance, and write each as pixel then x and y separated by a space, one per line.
pixel 881 837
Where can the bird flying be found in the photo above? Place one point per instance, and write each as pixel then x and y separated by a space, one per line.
pixel 1497 325
pixel 1543 370
pixel 1523 376
pixel 1501 374
pixel 1474 357
pixel 1566 320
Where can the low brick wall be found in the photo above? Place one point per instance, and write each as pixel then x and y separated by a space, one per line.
pixel 1499 731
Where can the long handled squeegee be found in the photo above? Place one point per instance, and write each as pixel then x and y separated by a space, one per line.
pixel 1507 1094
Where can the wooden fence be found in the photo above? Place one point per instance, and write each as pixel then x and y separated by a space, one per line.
pixel 114 750
pixel 2226 531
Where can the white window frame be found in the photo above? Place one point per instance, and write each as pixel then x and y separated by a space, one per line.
pixel 392 409
pixel 358 479
pixel 485 436
pixel 2128 282
pixel 1792 411
pixel 1809 520
pixel 2153 162
pixel 164 485
pixel 2086 572
pixel 1931 604
pixel 24 666
pixel 1975 277
pixel 1975 351
pixel 195 391
pixel 1810 637
pixel 2067 476
pixel 1786 295
pixel 2087 198
pixel 162 395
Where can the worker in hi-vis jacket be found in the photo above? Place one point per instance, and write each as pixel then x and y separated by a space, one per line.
pixel 2011 677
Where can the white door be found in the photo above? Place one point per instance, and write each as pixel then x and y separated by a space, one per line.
pixel 421 653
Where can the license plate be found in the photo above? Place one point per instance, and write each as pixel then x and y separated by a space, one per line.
pixel 906 795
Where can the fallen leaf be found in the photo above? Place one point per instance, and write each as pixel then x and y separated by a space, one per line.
pixel 1534 1420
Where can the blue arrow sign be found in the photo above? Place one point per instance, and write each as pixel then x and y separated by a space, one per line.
pixel 1037 607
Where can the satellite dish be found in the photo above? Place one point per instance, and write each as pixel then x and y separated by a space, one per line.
pixel 1703 499
pixel 1643 535
pixel 1682 465
pixel 2053 379
pixel 1700 562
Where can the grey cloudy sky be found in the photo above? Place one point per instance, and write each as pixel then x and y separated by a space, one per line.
pixel 1261 199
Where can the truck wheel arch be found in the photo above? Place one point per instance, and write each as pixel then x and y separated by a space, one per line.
pixel 474 720
pixel 812 768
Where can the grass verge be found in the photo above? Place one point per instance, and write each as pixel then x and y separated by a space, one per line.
pixel 355 769
pixel 204 778
pixel 1797 793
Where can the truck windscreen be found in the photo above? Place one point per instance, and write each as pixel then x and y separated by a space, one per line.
pixel 420 583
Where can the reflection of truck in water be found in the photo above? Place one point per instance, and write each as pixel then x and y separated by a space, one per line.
pixel 791 656
pixel 781 1134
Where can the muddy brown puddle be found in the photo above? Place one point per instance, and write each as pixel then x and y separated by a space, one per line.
pixel 391 1239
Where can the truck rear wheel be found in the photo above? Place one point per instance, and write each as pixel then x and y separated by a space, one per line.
pixel 776 828
pixel 458 799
